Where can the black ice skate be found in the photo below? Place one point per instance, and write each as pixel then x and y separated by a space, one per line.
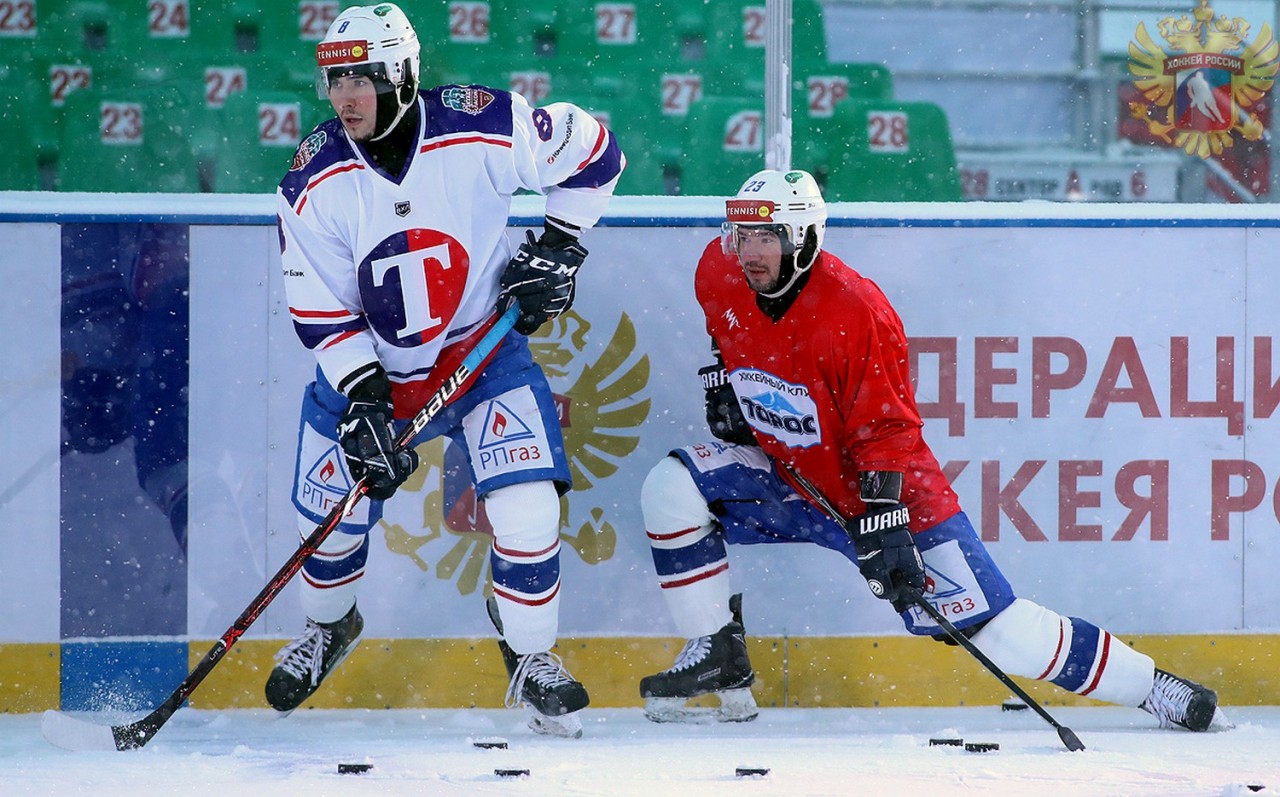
pixel 541 681
pixel 303 664
pixel 716 664
pixel 1186 704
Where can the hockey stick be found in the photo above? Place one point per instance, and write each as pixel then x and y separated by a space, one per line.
pixel 75 734
pixel 1067 736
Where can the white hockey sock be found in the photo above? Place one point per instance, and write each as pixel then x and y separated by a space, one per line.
pixel 1029 640
pixel 688 554
pixel 526 563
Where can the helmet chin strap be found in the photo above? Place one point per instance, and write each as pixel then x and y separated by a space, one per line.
pixel 404 106
pixel 789 263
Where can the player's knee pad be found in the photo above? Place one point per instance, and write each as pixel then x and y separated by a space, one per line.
pixel 670 501
pixel 1022 638
pixel 525 516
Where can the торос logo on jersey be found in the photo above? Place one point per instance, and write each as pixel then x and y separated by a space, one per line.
pixel 782 409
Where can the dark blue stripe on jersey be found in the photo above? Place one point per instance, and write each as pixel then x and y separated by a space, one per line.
pixel 443 120
pixel 336 149
pixel 1080 659
pixel 673 561
pixel 327 569
pixel 605 168
pixel 313 335
pixel 527 579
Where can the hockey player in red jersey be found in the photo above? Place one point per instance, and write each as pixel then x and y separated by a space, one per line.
pixel 812 375
pixel 393 242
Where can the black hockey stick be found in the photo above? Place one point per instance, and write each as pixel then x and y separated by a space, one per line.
pixel 75 734
pixel 1067 736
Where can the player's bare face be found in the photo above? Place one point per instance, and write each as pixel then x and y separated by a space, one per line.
pixel 760 253
pixel 355 100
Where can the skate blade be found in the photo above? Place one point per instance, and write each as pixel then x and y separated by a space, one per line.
pixel 567 726
pixel 736 705
pixel 1220 722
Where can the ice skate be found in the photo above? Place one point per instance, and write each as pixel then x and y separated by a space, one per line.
pixel 1186 704
pixel 541 681
pixel 709 665
pixel 304 663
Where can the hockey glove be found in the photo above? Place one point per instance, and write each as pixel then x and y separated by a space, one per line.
pixel 541 278
pixel 368 438
pixel 724 414
pixel 887 555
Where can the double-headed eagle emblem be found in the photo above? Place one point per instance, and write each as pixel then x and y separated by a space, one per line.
pixel 601 404
pixel 1207 83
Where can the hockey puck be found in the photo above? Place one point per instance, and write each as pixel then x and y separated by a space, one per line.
pixel 511 773
pixel 489 744
pixel 354 769
pixel 981 747
pixel 1013 705
pixel 946 742
pixel 751 772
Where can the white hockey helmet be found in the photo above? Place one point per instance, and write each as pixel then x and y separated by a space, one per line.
pixel 377 41
pixel 788 202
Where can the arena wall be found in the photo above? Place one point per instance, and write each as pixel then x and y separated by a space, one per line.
pixel 1099 382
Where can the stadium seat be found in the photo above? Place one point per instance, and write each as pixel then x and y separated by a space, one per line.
pixel 723 145
pixel 127 141
pixel 477 42
pixel 20 166
pixel 814 101
pixel 893 151
pixel 258 138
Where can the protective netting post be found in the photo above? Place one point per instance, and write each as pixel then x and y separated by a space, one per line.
pixel 777 85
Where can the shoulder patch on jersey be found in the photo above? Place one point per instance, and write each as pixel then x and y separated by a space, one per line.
pixel 308 149
pixel 466 99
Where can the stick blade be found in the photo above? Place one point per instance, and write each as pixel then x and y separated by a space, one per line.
pixel 1070 739
pixel 74 734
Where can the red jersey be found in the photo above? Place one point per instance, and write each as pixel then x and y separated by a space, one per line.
pixel 826 388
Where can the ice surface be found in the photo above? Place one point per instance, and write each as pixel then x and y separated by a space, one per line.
pixel 810 752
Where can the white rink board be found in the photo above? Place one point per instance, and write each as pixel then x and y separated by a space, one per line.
pixel 1096 280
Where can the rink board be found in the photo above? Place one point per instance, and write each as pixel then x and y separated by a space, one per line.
pixel 1098 382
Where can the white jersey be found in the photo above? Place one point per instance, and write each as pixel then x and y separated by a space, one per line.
pixel 394 268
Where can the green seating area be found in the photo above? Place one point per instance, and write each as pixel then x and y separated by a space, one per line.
pixel 174 95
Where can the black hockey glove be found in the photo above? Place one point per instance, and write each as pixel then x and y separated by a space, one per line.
pixel 724 414
pixel 368 438
pixel 887 555
pixel 541 278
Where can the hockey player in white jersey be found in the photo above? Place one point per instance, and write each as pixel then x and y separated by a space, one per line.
pixel 395 257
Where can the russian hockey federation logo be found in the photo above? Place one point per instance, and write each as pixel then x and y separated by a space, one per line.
pixel 467 99
pixel 1206 88
pixel 601 399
